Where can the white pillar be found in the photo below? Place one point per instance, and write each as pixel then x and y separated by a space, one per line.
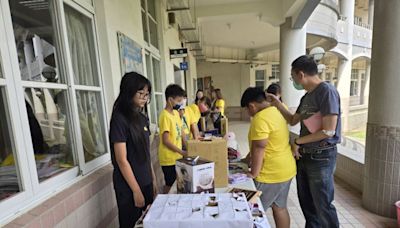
pixel 292 45
pixel 344 68
pixel 371 12
pixel 382 153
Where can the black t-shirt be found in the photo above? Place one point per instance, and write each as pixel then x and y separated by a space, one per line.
pixel 121 131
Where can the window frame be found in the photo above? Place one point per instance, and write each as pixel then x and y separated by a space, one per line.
pixel 13 85
pixel 259 80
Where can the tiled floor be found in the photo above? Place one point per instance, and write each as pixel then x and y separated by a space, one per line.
pixel 347 200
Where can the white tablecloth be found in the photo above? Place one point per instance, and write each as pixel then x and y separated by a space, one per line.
pixel 191 210
pixel 262 223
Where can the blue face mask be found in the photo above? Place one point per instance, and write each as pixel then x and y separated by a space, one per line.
pixel 177 107
pixel 298 86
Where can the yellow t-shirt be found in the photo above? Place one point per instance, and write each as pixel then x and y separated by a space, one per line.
pixel 195 111
pixel 190 120
pixel 278 163
pixel 221 105
pixel 170 123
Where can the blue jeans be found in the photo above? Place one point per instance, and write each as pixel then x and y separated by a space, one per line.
pixel 315 186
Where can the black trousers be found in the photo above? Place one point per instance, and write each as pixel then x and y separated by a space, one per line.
pixel 128 214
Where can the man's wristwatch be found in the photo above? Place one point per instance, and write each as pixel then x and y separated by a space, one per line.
pixel 295 142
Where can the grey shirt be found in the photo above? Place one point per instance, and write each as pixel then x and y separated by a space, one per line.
pixel 326 100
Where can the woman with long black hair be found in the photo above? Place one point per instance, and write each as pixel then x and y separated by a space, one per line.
pixel 133 175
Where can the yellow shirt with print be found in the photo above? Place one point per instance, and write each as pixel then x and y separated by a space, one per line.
pixel 278 163
pixel 221 105
pixel 171 123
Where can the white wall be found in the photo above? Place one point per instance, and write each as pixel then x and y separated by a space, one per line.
pixel 125 16
pixel 232 79
pixel 111 18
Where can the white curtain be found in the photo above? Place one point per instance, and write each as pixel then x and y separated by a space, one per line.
pixel 84 63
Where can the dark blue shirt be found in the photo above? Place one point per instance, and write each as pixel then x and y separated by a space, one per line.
pixel 326 100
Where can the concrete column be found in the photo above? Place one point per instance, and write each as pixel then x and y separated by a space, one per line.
pixel 292 45
pixel 371 12
pixel 345 65
pixel 382 153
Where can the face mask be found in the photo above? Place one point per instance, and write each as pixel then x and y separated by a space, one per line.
pixel 184 103
pixel 298 86
pixel 176 107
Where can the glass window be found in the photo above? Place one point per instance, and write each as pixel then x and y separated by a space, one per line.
pixel 149 22
pixel 9 177
pixel 82 47
pixel 151 8
pixel 91 124
pixel 144 24
pixel 157 75
pixel 260 75
pixel 143 4
pixel 1 70
pixel 159 103
pixel 153 33
pixel 275 72
pixel 354 83
pixel 48 118
pixel 260 84
pixel 260 78
pixel 34 33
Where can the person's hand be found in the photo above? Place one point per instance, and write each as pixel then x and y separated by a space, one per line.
pixel 273 99
pixel 183 153
pixel 138 199
pixel 295 152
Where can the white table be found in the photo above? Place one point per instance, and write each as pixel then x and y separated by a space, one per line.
pixel 249 184
pixel 194 211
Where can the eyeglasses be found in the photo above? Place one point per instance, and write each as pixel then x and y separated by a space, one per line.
pixel 143 95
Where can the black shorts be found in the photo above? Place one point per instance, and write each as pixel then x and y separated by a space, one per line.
pixel 169 174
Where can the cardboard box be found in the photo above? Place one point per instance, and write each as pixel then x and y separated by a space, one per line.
pixel 213 150
pixel 194 175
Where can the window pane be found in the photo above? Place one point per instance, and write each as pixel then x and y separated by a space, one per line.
pixel 82 47
pixel 153 33
pixel 144 24
pixel 9 176
pixel 157 76
pixel 143 4
pixel 48 118
pixel 159 103
pixel 260 84
pixel 91 124
pixel 260 75
pixel 1 70
pixel 34 33
pixel 151 7
pixel 153 111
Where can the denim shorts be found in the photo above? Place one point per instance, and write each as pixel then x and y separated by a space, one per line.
pixel 276 193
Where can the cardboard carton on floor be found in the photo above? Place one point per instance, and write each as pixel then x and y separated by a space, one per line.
pixel 213 150
pixel 194 175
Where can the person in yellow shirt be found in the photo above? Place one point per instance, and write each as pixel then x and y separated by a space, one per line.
pixel 272 163
pixel 172 135
pixel 191 121
pixel 197 110
pixel 220 102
